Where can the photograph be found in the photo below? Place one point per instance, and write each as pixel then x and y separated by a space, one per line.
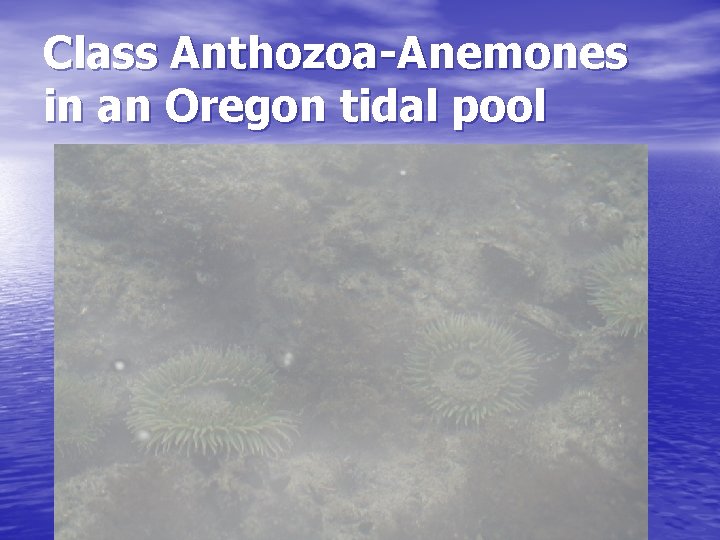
pixel 351 341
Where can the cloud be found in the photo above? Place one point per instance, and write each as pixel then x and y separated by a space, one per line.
pixel 675 51
pixel 669 63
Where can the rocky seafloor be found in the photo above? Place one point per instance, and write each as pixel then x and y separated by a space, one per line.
pixel 329 263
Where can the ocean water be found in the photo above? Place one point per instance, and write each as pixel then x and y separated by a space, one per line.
pixel 684 370
pixel 26 348
pixel 684 359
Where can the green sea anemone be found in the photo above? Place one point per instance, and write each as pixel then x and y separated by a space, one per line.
pixel 466 369
pixel 82 414
pixel 210 402
pixel 618 285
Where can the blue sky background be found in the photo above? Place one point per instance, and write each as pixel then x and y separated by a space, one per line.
pixel 668 97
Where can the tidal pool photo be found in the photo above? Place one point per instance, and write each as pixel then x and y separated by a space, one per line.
pixel 351 342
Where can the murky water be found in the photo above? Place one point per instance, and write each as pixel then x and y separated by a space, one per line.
pixel 372 342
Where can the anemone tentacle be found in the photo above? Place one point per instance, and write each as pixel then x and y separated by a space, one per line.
pixel 618 284
pixel 466 369
pixel 209 401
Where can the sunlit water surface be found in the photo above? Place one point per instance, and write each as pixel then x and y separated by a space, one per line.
pixel 26 348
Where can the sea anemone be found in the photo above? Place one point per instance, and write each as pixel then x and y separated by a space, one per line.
pixel 82 414
pixel 618 285
pixel 466 369
pixel 211 402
